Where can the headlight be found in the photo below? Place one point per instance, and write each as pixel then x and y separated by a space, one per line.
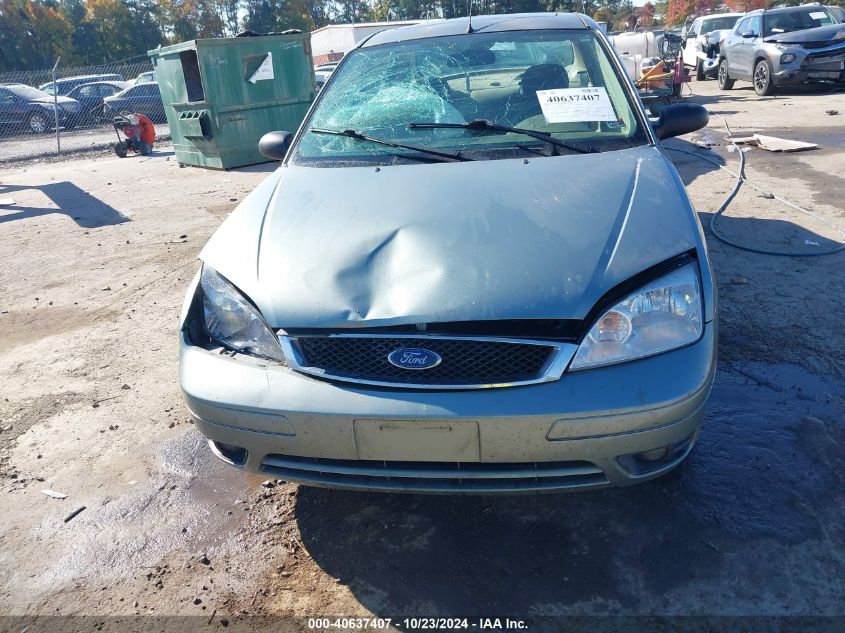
pixel 787 58
pixel 233 321
pixel 664 315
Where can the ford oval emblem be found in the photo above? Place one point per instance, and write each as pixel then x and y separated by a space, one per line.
pixel 414 358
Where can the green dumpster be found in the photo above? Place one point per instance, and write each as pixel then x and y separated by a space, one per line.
pixel 221 95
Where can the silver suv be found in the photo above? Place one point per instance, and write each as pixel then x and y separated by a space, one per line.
pixel 780 47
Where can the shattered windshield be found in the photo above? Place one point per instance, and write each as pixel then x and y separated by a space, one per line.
pixel 560 84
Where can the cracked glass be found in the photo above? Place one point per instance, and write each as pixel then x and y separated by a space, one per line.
pixel 380 91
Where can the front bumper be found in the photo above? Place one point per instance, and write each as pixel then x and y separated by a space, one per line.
pixel 710 66
pixel 826 65
pixel 800 76
pixel 575 433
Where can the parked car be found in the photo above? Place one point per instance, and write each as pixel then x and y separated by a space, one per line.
pixel 328 67
pixel 142 99
pixel 784 47
pixel 476 270
pixel 837 12
pixel 90 97
pixel 320 78
pixel 145 78
pixel 698 50
pixel 67 84
pixel 24 108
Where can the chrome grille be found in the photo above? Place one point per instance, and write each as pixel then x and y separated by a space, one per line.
pixel 466 362
pixel 451 477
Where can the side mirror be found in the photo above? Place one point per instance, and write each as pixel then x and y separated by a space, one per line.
pixel 274 145
pixel 680 118
pixel 749 35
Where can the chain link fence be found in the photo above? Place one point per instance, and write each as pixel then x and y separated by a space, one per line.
pixel 42 118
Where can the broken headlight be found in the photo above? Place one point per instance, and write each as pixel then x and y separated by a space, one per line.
pixel 231 320
pixel 664 315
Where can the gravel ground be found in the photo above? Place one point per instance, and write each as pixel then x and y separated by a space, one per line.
pixel 94 270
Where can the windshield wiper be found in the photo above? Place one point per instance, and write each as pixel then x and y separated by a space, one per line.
pixel 484 125
pixel 380 141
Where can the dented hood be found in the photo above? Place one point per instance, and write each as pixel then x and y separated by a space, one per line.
pixel 505 239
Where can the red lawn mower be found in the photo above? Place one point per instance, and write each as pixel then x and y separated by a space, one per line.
pixel 139 132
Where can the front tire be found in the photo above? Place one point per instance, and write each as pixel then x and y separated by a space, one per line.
pixel 699 71
pixel 763 84
pixel 725 82
pixel 38 123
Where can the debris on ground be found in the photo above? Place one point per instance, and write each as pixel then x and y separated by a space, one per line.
pixel 53 494
pixel 831 112
pixel 74 513
pixel 773 143
pixel 7 202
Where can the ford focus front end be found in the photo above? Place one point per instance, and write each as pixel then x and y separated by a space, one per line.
pixel 475 271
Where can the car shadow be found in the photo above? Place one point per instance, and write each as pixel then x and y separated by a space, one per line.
pixel 83 208
pixel 690 167
pixel 615 551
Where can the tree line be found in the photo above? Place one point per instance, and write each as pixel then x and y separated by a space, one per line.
pixel 33 33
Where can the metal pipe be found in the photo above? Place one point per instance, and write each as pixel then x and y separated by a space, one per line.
pixel 56 107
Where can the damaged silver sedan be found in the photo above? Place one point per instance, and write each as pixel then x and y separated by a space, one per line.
pixel 475 271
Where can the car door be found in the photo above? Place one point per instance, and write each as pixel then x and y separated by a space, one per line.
pixel 691 44
pixel 153 106
pixel 87 97
pixel 138 98
pixel 104 90
pixel 733 48
pixel 750 37
pixel 7 107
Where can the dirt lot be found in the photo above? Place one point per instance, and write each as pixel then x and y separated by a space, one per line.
pixel 95 257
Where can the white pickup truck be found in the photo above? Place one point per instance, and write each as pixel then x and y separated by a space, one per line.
pixel 698 51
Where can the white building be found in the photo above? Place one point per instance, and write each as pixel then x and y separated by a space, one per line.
pixel 332 42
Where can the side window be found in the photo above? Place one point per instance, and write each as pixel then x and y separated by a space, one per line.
pixel 88 91
pixel 742 27
pixel 696 27
pixel 754 26
pixel 6 97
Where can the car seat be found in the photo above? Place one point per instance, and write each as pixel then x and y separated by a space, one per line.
pixel 525 104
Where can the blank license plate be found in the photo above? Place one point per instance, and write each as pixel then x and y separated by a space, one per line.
pixel 417 440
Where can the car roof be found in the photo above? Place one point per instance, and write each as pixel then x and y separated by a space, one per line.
pixel 482 23
pixel 83 77
pixel 722 15
pixel 780 10
pixel 109 82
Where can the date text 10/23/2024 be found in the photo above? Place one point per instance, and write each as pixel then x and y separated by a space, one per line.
pixel 421 623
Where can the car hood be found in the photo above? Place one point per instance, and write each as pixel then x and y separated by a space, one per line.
pixel 49 100
pixel 829 35
pixel 481 240
pixel 717 36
